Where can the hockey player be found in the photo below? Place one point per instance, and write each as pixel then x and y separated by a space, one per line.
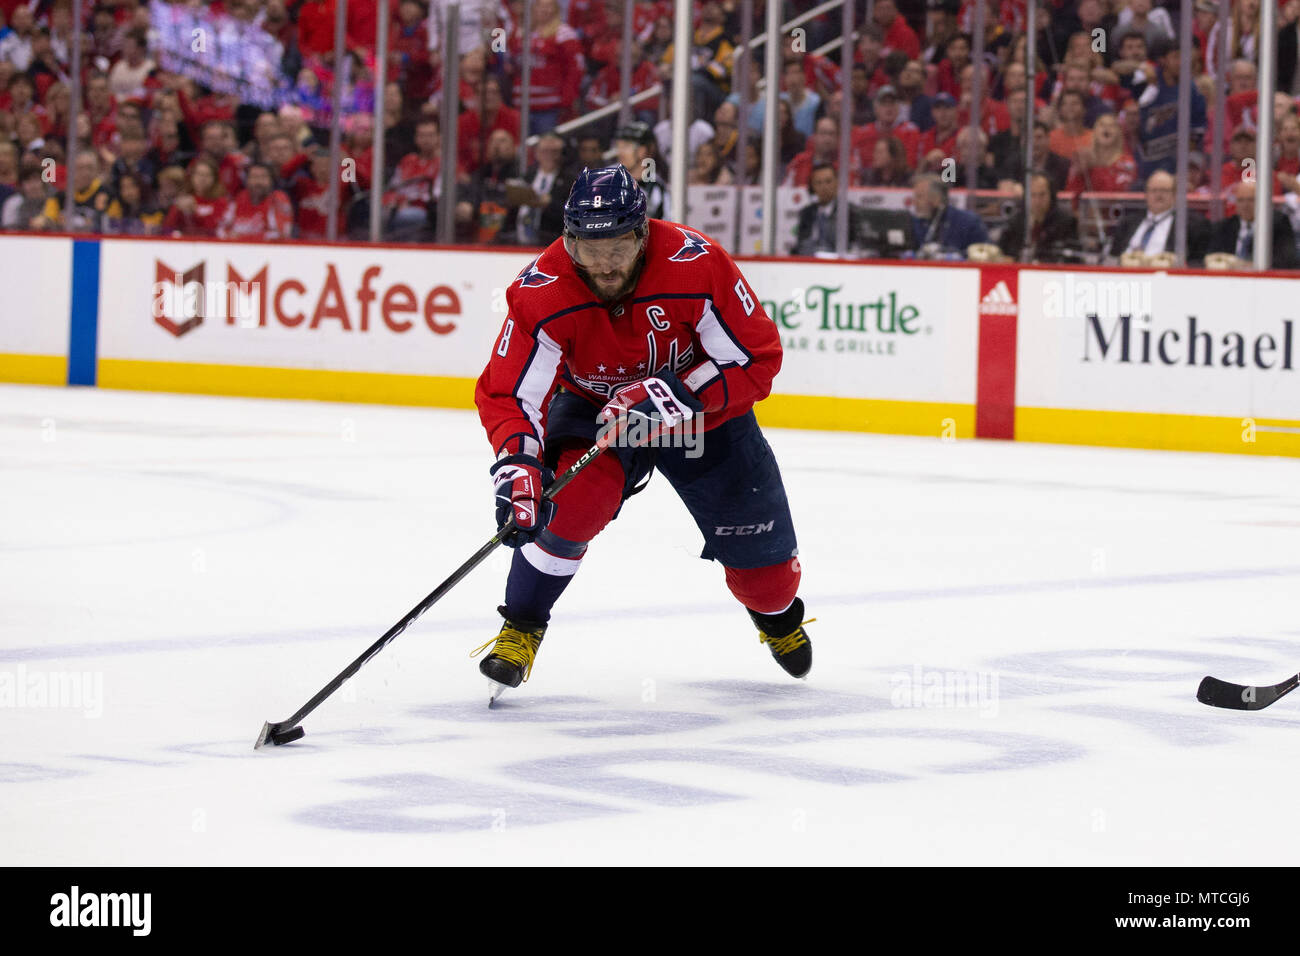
pixel 634 319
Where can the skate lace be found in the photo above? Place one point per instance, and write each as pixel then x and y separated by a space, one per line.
pixel 513 645
pixel 792 641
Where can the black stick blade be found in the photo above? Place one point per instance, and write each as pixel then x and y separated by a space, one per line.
pixel 1219 693
pixel 277 735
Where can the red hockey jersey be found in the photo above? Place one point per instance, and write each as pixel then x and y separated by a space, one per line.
pixel 691 312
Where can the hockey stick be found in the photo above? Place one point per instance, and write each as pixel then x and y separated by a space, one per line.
pixel 1220 693
pixel 286 731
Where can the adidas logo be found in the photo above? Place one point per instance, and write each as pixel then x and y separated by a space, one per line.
pixel 998 301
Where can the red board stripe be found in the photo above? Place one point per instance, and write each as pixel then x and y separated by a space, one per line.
pixel 995 389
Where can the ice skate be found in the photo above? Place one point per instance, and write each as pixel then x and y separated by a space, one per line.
pixel 784 635
pixel 511 660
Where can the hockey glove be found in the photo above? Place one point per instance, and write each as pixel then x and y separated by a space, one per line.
pixel 650 407
pixel 519 481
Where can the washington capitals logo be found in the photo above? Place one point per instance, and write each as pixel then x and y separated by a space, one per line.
pixel 533 276
pixel 696 246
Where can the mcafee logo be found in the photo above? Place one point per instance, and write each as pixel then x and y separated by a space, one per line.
pixel 178 298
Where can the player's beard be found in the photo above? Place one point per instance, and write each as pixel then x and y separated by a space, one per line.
pixel 607 294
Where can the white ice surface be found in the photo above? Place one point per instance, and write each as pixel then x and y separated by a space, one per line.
pixel 212 562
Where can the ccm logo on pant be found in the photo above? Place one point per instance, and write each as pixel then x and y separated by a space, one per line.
pixel 745 528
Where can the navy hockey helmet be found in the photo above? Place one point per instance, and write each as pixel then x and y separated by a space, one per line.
pixel 604 203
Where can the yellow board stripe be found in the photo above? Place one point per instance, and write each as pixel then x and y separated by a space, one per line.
pixel 940 419
pixel 320 384
pixel 33 369
pixel 1242 436
pixel 1264 436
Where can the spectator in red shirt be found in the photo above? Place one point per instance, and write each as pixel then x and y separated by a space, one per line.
pixel 889 164
pixel 58 104
pixel 316 28
pixel 898 35
pixel 557 67
pixel 215 145
pixel 359 149
pixel 413 193
pixel 311 197
pixel 1013 80
pixel 1242 157
pixel 608 84
pixel 823 147
pixel 289 164
pixel 870 45
pixel 1106 167
pixel 260 211
pixel 1287 166
pixel 98 106
pixel 646 17
pixel 477 124
pixel 602 34
pixel 363 16
pixel 887 122
pixel 994 117
pixel 473 67
pixel 939 142
pixel 592 20
pixel 22 100
pixel 408 56
pixel 198 211
pixel 948 75
pixel 821 74
pixel 199 110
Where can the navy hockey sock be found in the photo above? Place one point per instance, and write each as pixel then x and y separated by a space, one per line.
pixel 539 573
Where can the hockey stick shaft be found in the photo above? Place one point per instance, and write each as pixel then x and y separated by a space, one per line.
pixel 272 730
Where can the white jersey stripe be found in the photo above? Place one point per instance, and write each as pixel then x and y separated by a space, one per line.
pixel 535 384
pixel 717 342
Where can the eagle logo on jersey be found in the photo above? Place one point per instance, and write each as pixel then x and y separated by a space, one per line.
pixel 696 246
pixel 533 276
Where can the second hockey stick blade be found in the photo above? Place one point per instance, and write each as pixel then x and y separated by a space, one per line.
pixel 1221 693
